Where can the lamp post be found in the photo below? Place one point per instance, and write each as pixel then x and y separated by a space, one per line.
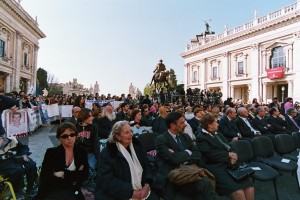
pixel 282 94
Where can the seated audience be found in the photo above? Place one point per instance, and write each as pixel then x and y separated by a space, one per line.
pixel 244 125
pixel 260 122
pixel 147 119
pixel 278 125
pixel 228 127
pixel 64 168
pixel 195 121
pixel 75 112
pixel 106 122
pixel 189 113
pixel 136 117
pixel 292 125
pixel 217 155
pixel 173 149
pixel 124 169
pixel 88 139
pixel 159 124
pixel 124 114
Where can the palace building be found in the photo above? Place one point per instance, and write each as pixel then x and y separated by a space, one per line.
pixel 19 44
pixel 259 59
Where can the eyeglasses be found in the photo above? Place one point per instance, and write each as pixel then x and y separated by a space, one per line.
pixel 65 136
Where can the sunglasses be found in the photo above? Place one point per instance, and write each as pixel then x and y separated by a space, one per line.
pixel 65 136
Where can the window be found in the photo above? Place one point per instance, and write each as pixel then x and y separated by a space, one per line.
pixel 195 77
pixel 2 47
pixel 215 72
pixel 277 58
pixel 25 59
pixel 240 68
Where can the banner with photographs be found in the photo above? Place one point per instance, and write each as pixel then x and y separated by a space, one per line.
pixel 16 123
pixel 34 118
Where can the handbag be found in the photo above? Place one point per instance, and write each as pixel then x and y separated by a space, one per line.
pixel 189 173
pixel 240 172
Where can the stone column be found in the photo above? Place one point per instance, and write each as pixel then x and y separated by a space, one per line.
pixel 17 61
pixel 255 65
pixel 232 91
pixel 7 83
pixel 264 92
pixel 202 74
pixel 225 72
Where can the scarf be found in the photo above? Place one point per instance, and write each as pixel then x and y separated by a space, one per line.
pixel 136 169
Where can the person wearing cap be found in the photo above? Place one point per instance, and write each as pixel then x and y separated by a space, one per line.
pixel 15 163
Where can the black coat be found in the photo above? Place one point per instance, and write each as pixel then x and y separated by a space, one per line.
pixel 228 128
pixel 279 125
pixel 168 160
pixel 244 129
pixel 262 125
pixel 113 176
pixel 55 161
pixel 104 127
pixel 194 123
pixel 216 158
pixel 291 127
pixel 159 125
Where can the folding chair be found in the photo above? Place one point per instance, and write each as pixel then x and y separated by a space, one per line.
pixel 245 154
pixel 285 147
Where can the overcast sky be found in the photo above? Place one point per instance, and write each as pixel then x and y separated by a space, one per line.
pixel 118 42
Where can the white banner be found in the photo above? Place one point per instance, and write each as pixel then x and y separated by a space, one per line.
pixel 66 111
pixel 32 119
pixel 52 110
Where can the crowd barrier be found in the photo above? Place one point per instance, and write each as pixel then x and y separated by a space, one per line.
pixel 25 121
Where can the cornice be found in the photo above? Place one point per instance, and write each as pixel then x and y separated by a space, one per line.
pixel 248 33
pixel 19 13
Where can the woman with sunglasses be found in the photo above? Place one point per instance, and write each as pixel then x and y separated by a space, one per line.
pixel 64 168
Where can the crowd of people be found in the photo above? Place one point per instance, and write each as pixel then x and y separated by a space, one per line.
pixel 195 131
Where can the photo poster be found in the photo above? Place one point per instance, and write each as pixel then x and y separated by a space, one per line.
pixel 44 113
pixel 17 123
pixel 66 110
pixel 89 103
pixel 52 110
pixel 34 118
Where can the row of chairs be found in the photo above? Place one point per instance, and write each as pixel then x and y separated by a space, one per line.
pixel 271 161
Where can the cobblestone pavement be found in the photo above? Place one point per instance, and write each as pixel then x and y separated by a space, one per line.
pixel 287 186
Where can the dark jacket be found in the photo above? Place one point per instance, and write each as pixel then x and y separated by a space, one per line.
pixel 104 127
pixel 228 128
pixel 87 138
pixel 291 127
pixel 262 125
pixel 55 161
pixel 159 125
pixel 114 177
pixel 7 102
pixel 72 120
pixel 122 116
pixel 279 125
pixel 244 129
pixel 194 123
pixel 168 160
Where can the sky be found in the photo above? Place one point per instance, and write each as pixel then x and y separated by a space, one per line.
pixel 119 42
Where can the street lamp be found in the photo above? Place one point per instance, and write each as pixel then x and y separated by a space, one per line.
pixel 282 94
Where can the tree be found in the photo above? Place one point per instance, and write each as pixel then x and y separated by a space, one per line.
pixel 149 89
pixel 42 83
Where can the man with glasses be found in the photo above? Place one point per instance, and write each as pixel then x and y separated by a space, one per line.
pixel 75 112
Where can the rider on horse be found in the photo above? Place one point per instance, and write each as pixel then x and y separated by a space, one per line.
pixel 159 70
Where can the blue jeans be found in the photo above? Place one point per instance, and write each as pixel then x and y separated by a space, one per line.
pixel 92 164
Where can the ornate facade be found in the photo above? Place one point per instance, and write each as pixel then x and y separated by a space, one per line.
pixel 19 44
pixel 75 88
pixel 259 59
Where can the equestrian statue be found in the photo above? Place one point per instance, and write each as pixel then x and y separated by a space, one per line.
pixel 160 76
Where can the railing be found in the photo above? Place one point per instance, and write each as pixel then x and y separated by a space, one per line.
pixel 258 21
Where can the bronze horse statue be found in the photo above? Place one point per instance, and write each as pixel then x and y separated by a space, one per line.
pixel 161 79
